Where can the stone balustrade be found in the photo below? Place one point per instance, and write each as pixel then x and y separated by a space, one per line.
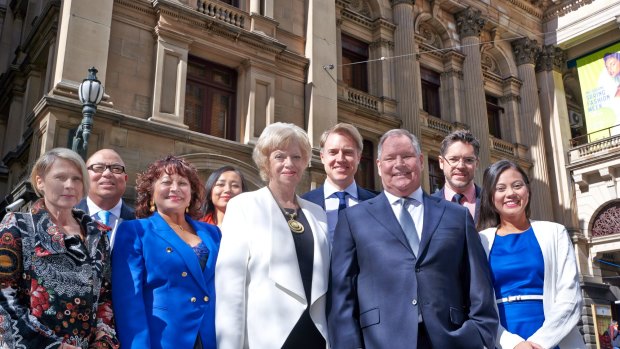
pixel 503 146
pixel 223 12
pixel 596 148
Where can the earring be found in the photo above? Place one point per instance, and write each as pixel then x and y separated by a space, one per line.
pixel 152 206
pixel 187 209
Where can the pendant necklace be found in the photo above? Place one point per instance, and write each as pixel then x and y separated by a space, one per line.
pixel 295 226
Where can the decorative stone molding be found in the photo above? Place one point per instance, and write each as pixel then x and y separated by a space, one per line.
pixel 361 7
pixel 430 35
pixel 550 58
pixel 509 98
pixel 382 43
pixel 357 18
pixel 452 73
pixel 469 22
pixel 489 63
pixel 382 24
pixel 561 8
pixel 406 2
pixel 525 50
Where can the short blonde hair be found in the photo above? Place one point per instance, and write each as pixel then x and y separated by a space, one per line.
pixel 277 136
pixel 346 129
pixel 43 164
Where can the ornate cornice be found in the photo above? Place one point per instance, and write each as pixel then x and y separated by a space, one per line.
pixel 525 50
pixel 561 8
pixel 550 58
pixel 357 18
pixel 533 7
pixel 382 23
pixel 406 2
pixel 469 22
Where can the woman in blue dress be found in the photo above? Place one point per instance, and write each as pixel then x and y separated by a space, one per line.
pixel 532 264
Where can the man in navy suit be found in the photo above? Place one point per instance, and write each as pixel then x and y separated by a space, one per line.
pixel 341 151
pixel 108 181
pixel 408 269
pixel 459 161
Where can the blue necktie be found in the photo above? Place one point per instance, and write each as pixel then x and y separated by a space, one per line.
pixel 457 198
pixel 104 217
pixel 342 200
pixel 406 222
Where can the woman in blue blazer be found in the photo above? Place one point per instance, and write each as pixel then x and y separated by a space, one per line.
pixel 163 264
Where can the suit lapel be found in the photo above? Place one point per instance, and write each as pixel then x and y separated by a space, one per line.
pixel 433 211
pixel 283 264
pixel 321 247
pixel 381 210
pixel 183 249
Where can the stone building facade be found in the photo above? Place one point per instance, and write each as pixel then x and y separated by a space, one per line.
pixel 202 78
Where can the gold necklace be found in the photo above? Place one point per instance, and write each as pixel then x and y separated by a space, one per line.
pixel 295 226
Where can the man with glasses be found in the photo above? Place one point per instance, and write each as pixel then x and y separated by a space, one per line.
pixel 108 181
pixel 459 160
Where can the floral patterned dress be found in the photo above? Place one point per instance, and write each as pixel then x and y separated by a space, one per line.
pixel 54 288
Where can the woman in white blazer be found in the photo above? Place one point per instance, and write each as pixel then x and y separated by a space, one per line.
pixel 533 266
pixel 273 264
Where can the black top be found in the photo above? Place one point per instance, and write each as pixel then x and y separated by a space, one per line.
pixel 304 335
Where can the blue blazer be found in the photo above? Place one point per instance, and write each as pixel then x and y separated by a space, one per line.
pixel 380 290
pixel 441 194
pixel 161 296
pixel 318 195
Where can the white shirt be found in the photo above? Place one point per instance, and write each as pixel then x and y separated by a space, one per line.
pixel 115 213
pixel 332 202
pixel 416 211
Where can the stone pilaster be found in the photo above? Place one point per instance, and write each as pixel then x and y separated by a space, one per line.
pixel 557 133
pixel 532 132
pixel 407 76
pixel 469 24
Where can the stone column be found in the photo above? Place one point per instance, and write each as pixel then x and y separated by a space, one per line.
pixel 321 89
pixel 556 127
pixel 469 24
pixel 532 133
pixel 406 74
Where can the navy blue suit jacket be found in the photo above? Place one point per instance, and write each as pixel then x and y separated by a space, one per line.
pixel 318 195
pixel 379 288
pixel 127 212
pixel 441 194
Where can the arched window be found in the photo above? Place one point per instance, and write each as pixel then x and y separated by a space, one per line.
pixel 607 221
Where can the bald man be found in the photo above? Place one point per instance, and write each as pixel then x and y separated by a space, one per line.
pixel 108 181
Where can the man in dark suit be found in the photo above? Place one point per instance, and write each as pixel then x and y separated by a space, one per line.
pixel 341 151
pixel 408 269
pixel 459 161
pixel 108 181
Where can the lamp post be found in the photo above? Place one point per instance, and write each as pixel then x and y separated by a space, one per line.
pixel 90 93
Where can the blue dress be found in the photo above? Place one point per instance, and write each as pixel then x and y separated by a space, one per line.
pixel 517 269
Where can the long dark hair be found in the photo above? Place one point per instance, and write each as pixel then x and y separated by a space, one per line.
pixel 209 207
pixel 168 165
pixel 489 217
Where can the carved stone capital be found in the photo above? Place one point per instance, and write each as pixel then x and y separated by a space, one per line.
pixel 406 2
pixel 550 58
pixel 469 22
pixel 525 51
pixel 452 73
pixel 382 43
pixel 509 98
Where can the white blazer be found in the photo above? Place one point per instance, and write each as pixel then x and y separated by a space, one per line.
pixel 562 301
pixel 260 295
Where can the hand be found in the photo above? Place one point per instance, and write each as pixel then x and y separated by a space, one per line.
pixel 527 345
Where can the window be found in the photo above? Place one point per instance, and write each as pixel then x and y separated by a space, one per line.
pixel 365 176
pixel 430 92
pixel 210 98
pixel 493 115
pixel 354 51
pixel 435 175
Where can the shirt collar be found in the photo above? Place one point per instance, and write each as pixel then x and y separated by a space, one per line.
pixel 329 190
pixel 417 195
pixel 93 209
pixel 470 193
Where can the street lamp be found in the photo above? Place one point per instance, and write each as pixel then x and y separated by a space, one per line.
pixel 90 93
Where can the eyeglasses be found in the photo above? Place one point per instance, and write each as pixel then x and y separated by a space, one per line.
pixel 467 161
pixel 100 168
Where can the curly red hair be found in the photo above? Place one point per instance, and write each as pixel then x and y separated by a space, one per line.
pixel 169 165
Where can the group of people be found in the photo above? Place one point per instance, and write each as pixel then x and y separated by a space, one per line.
pixel 340 266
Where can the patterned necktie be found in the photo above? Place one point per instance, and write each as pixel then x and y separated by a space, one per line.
pixel 342 200
pixel 406 222
pixel 104 217
pixel 457 198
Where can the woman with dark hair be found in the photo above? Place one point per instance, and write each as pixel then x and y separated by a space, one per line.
pixel 222 185
pixel 164 263
pixel 532 264
pixel 55 265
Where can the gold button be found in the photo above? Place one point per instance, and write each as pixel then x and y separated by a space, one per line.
pixel 169 249
pixel 193 299
pixel 206 298
pixel 184 274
